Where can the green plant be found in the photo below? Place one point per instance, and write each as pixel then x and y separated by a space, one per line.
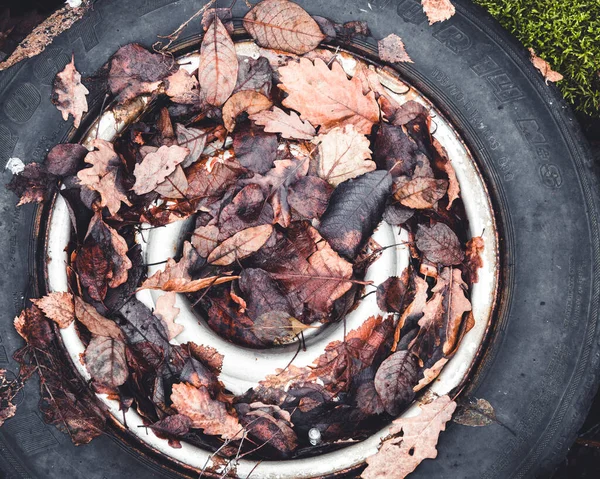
pixel 565 33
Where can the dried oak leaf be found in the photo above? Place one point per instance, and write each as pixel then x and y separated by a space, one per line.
pixel 308 197
pixel 254 74
pixel 166 310
pixel 473 259
pixel 283 25
pixel 391 49
pixel 64 159
pixel 394 381
pixel 255 149
pixel 114 247
pixel 438 10
pixel 58 307
pixel 326 97
pixel 400 455
pixel 97 324
pixel 355 209
pixel 288 125
pixel 68 93
pixel 391 293
pixel 193 139
pixel 247 101
pixel 343 154
pixel 156 166
pixel 33 184
pixel 105 360
pixel 218 68
pixel 206 413
pixel 176 277
pixel 182 87
pixel 544 68
pixel 103 176
pixel 135 71
pixel 439 244
pixel 240 245
pixel 421 192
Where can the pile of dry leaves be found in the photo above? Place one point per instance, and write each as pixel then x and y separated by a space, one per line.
pixel 288 166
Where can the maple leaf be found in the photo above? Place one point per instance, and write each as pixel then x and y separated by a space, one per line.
pixel 58 307
pixel 412 440
pixel 192 138
pixel 283 25
pixel 176 277
pixel 544 68
pixel 355 209
pixel 327 97
pixel 206 413
pixel 421 192
pixel 103 175
pixel 240 245
pixel 105 360
pixel 68 93
pixel 438 10
pixel 391 49
pixel 439 244
pixel 218 68
pixel 247 101
pixel 473 259
pixel 166 310
pixel 182 87
pixel 288 125
pixel 343 154
pixel 135 71
pixel 156 166
pixel 394 381
pixel 95 322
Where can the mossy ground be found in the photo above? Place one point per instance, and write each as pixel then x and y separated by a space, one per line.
pixel 565 33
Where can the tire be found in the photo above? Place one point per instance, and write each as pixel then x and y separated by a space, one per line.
pixel 540 371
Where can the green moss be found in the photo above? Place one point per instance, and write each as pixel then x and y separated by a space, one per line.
pixel 565 33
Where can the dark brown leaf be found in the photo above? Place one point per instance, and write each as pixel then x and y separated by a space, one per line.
pixel 105 360
pixel 473 259
pixel 275 327
pixel 283 25
pixel 401 114
pixel 211 178
pixel 218 68
pixel 394 149
pixel 32 185
pixel 439 244
pixel 254 74
pixel 65 159
pixel 172 427
pixel 396 215
pixel 247 209
pixel 476 413
pixel 270 425
pixel 255 149
pixel 309 197
pixel 94 270
pixel 394 381
pixel 261 293
pixel 420 192
pixel 391 293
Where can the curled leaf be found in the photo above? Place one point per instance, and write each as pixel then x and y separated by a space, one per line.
pixel 544 68
pixel 247 101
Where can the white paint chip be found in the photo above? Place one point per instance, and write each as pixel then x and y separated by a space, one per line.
pixel 15 165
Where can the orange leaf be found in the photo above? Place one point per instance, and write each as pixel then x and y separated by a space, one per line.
pixel 544 67
pixel 58 307
pixel 438 10
pixel 247 101
pixel 391 49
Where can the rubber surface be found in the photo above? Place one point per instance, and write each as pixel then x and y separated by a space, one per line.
pixel 540 372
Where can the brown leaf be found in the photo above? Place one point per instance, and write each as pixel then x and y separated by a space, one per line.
pixel 224 14
pixel 8 391
pixel 135 71
pixel 218 68
pixel 399 115
pixel 254 148
pixel 394 381
pixel 400 455
pixel 58 307
pixel 156 166
pixel 103 176
pixel 421 192
pixel 206 413
pixel 391 49
pixel 473 259
pixel 65 159
pixel 97 324
pixel 174 186
pixel 396 215
pixel 288 125
pixel 327 97
pixel 192 138
pixel 476 413
pixel 33 184
pixel 308 197
pixel 262 293
pixel 207 355
pixel 105 360
pixel 439 244
pixel 68 93
pixel 391 293
pixel 453 185
pixel 248 101
pixel 247 209
pixel 269 424
pixel 175 277
pixel 414 311
pixel 254 75
pixel 457 304
pixel 182 87
pixel 172 427
pixel 544 68
pixel 283 25
pixel 275 327
pixel 211 178
pixel 94 270
pixel 395 149
pixel 430 374
pixel 240 245
pixel 166 310
pixel 343 154
pixel 204 239
pixel 438 10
